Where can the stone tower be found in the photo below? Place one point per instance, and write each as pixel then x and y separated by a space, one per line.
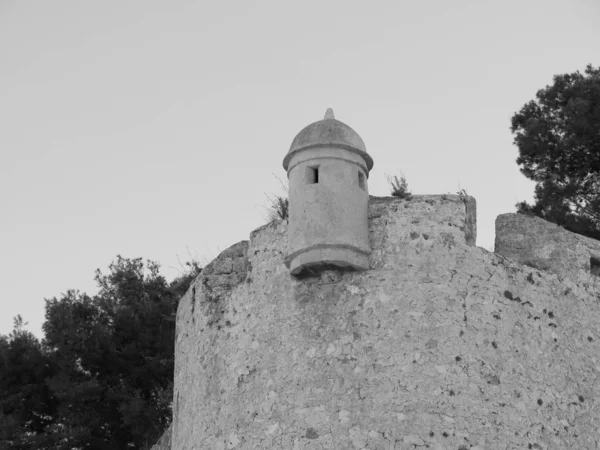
pixel 440 345
pixel 328 167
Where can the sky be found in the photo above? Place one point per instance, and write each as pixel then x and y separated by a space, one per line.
pixel 157 129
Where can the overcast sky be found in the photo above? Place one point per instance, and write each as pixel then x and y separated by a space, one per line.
pixel 153 128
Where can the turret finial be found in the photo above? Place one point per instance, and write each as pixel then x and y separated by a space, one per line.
pixel 329 114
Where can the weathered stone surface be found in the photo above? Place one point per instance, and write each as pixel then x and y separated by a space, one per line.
pixel 164 443
pixel 439 345
pixel 546 246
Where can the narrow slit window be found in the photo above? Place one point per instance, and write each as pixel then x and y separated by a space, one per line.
pixel 312 175
pixel 595 266
pixel 361 180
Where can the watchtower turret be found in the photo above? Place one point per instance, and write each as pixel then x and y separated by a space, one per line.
pixel 328 167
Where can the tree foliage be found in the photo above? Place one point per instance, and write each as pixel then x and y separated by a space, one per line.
pixel 103 376
pixel 26 403
pixel 558 136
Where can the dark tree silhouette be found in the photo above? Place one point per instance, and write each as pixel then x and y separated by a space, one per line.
pixel 26 404
pixel 103 376
pixel 558 136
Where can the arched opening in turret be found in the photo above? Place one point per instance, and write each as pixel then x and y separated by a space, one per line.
pixel 361 180
pixel 312 174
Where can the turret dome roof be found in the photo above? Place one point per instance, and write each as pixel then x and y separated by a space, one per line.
pixel 328 132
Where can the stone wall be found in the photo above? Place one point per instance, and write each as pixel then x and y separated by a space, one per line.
pixel 543 245
pixel 440 345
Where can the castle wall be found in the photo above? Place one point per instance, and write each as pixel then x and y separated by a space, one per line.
pixel 543 245
pixel 439 345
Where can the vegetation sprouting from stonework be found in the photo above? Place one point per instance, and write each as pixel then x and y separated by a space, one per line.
pixel 102 377
pixel 278 205
pixel 558 138
pixel 278 208
pixel 399 186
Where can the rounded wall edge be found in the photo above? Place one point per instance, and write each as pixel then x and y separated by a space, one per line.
pixel 320 148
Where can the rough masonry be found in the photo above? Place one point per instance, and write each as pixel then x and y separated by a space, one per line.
pixel 543 245
pixel 438 345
